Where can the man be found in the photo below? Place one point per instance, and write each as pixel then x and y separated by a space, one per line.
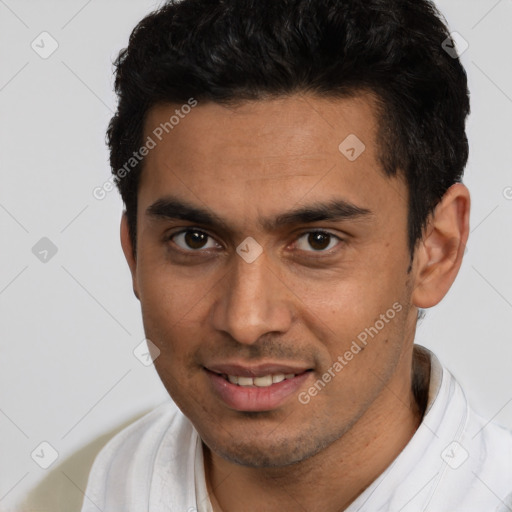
pixel 291 171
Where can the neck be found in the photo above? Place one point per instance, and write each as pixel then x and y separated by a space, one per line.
pixel 337 475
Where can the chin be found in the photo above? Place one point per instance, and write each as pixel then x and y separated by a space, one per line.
pixel 265 453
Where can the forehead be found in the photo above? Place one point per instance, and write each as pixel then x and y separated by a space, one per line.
pixel 266 152
pixel 279 128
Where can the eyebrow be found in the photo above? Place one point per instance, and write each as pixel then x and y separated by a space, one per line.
pixel 333 210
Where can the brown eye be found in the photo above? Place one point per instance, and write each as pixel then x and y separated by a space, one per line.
pixel 193 239
pixel 317 241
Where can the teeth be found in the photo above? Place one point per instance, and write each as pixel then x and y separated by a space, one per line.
pixel 263 382
pixel 260 382
pixel 245 381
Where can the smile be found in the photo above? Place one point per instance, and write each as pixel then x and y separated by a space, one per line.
pixel 264 389
pixel 260 382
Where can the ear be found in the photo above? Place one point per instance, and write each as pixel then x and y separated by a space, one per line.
pixel 126 244
pixel 439 254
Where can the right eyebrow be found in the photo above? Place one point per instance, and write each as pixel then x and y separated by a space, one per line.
pixel 173 208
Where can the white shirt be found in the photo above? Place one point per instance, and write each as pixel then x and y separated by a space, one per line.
pixel 455 462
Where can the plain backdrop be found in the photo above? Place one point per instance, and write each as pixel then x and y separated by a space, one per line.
pixel 69 321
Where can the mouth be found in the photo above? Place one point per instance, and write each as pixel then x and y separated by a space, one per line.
pixel 260 382
pixel 256 389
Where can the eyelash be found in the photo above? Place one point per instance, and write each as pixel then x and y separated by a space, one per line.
pixel 301 235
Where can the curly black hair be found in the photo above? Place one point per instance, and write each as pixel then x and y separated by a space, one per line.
pixel 230 51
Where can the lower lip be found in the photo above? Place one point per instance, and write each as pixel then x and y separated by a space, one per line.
pixel 255 398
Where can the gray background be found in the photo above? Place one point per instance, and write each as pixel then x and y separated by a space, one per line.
pixel 69 324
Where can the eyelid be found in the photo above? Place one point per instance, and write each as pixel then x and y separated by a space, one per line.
pixel 324 231
pixel 170 236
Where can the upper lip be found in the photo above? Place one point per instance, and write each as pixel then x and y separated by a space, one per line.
pixel 258 370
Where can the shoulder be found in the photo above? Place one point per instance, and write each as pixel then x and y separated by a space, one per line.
pixel 123 471
pixel 491 445
pixel 142 433
pixel 476 472
pixel 468 457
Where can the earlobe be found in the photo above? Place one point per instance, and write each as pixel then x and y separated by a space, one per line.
pixel 439 254
pixel 126 244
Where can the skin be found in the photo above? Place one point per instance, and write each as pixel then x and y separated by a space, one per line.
pixel 295 304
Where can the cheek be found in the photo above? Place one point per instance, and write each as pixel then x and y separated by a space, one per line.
pixel 359 316
pixel 170 308
pixel 167 293
pixel 170 324
pixel 348 299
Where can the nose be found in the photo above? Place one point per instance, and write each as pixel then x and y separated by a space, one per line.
pixel 253 301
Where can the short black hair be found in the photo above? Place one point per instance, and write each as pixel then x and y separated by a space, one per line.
pixel 231 51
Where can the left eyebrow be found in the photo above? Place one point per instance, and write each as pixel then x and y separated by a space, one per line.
pixel 334 210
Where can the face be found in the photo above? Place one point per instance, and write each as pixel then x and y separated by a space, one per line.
pixel 272 272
